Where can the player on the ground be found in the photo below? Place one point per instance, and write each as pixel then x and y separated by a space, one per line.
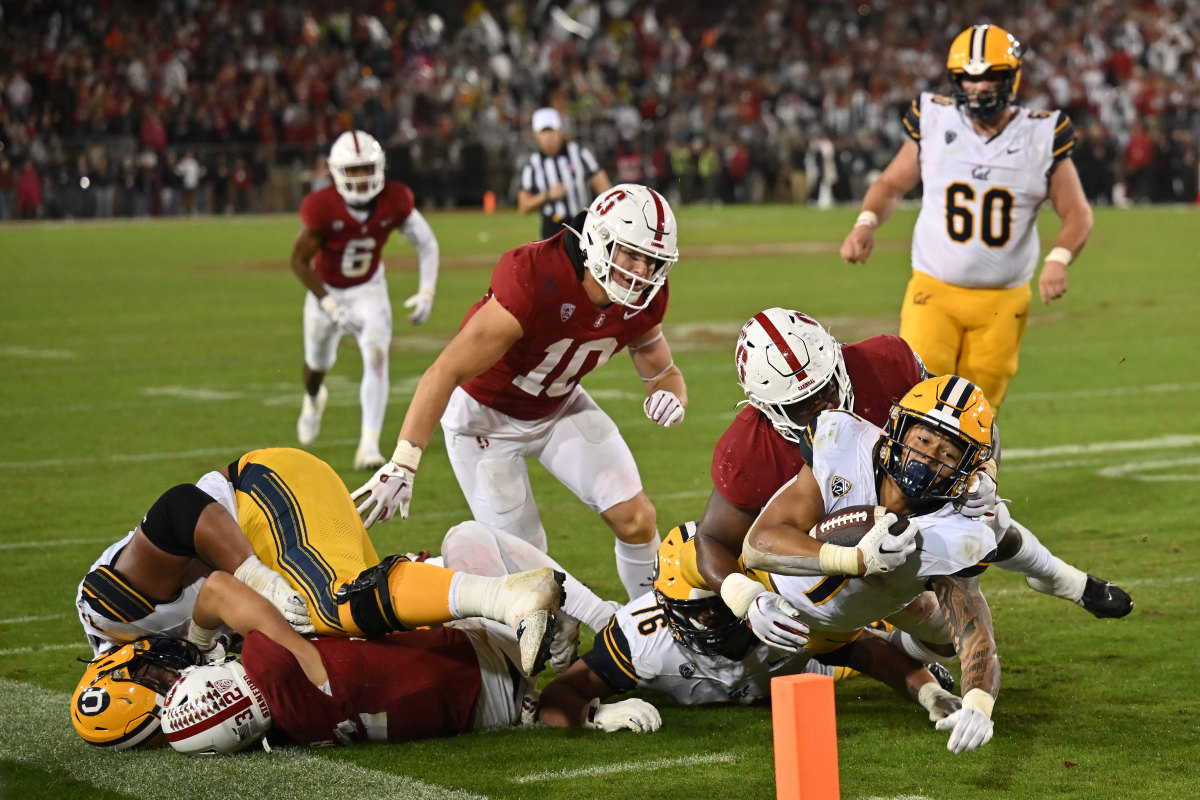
pixel 507 385
pixel 682 641
pixel 337 257
pixel 280 520
pixel 938 435
pixel 986 166
pixel 791 368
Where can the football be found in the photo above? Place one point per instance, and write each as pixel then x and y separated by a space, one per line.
pixel 847 526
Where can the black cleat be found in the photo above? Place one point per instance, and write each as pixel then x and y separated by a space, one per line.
pixel 942 675
pixel 1105 600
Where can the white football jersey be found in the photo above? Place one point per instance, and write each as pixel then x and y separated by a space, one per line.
pixel 980 198
pixel 637 650
pixel 948 544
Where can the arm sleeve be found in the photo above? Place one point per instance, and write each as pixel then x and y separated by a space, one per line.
pixel 420 235
pixel 912 120
pixel 611 659
pixel 1064 137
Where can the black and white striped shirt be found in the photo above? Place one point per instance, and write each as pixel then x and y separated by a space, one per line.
pixel 573 167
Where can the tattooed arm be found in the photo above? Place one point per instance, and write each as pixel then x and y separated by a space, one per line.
pixel 974 638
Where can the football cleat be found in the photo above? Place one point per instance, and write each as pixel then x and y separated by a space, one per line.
pixel 309 424
pixel 941 675
pixel 564 647
pixel 529 602
pixel 1105 600
pixel 368 457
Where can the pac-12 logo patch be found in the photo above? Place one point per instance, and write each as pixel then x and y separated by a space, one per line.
pixel 566 311
pixel 838 486
pixel 687 669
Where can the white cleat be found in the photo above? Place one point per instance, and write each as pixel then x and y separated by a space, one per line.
pixel 309 424
pixel 528 602
pixel 564 646
pixel 368 457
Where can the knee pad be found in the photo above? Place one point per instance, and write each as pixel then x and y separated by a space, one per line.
pixel 370 599
pixel 170 524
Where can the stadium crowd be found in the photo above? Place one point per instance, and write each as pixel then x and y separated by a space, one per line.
pixel 115 109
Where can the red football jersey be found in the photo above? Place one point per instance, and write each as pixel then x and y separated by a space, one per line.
pixel 413 685
pixel 751 460
pixel 566 334
pixel 350 250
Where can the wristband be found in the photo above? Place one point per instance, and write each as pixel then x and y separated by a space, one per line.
pixel 328 305
pixel 201 637
pixel 407 455
pixel 838 560
pixel 738 591
pixel 929 694
pixel 979 700
pixel 1059 254
pixel 869 218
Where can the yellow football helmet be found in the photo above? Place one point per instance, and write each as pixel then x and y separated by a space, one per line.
pixel 948 405
pixel 118 703
pixel 698 618
pixel 985 52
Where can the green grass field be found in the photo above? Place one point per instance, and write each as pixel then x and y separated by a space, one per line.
pixel 141 355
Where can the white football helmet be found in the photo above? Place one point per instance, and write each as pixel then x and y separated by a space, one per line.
pixel 215 709
pixel 637 218
pixel 785 359
pixel 357 149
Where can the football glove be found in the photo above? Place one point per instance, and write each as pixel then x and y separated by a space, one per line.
pixel 664 408
pixel 626 715
pixel 421 304
pixel 342 315
pixel 980 497
pixel 774 620
pixel 971 726
pixel 883 552
pixel 390 488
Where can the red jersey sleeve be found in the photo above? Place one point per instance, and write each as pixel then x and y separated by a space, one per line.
pixel 882 369
pixel 751 461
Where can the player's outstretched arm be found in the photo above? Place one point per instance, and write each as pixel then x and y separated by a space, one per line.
pixel 565 701
pixel 897 180
pixel 971 622
pixel 664 384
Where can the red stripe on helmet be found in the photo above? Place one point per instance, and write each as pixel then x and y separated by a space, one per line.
pixel 776 337
pixel 224 714
pixel 658 226
pixel 354 136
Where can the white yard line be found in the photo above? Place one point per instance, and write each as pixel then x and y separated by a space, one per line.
pixel 35 732
pixel 627 766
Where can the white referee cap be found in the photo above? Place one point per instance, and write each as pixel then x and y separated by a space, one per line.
pixel 547 119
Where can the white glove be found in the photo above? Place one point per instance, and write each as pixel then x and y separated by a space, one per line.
pixel 390 488
pixel 422 305
pixel 342 315
pixel 627 715
pixel 271 585
pixel 969 727
pixel 883 552
pixel 774 620
pixel 980 497
pixel 664 408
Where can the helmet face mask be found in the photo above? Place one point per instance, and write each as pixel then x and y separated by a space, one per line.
pixel 215 709
pixel 985 53
pixel 118 703
pixel 791 368
pixel 629 223
pixel 357 165
pixel 937 417
pixel 698 618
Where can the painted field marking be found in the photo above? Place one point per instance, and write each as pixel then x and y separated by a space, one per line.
pixel 29 352
pixel 35 732
pixel 39 618
pixel 627 766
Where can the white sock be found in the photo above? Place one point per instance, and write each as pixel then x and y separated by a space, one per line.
pixel 635 565
pixel 483 550
pixel 473 596
pixel 1032 558
pixel 373 394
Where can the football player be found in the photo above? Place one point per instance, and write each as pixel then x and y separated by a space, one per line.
pixel 937 436
pixel 313 692
pixel 507 386
pixel 791 368
pixel 280 520
pixel 986 166
pixel 336 255
pixel 683 642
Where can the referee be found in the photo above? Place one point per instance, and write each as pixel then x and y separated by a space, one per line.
pixel 561 179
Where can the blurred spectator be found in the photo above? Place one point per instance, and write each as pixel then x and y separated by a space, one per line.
pixel 8 189
pixel 1139 163
pixel 103 182
pixel 170 191
pixel 241 182
pixel 29 192
pixel 1095 159
pixel 190 173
